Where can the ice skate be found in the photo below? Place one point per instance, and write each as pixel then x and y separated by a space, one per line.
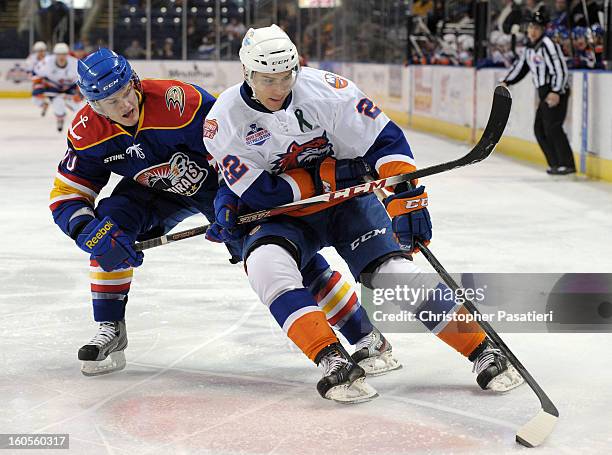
pixel 374 354
pixel 343 380
pixel 493 369
pixel 104 352
pixel 60 124
pixel 43 110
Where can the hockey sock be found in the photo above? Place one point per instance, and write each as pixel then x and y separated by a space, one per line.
pixel 304 323
pixel 109 292
pixel 438 315
pixel 338 300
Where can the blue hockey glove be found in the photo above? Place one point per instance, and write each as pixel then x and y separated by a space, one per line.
pixel 331 174
pixel 108 245
pixel 410 217
pixel 228 207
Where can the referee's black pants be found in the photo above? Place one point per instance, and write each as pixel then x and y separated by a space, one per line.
pixel 548 129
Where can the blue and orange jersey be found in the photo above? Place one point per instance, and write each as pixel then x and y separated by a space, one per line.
pixel 164 152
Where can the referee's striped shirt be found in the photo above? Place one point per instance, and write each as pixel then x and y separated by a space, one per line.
pixel 547 64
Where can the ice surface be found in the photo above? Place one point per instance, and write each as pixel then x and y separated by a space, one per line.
pixel 208 370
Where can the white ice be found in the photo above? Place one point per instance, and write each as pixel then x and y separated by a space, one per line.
pixel 209 372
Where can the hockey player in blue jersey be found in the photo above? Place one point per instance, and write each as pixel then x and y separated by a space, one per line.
pixel 149 132
pixel 287 133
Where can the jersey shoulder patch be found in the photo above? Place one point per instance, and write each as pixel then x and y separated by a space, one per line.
pixel 169 104
pixel 89 129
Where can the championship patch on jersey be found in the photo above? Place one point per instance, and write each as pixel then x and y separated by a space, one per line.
pixel 335 81
pixel 175 98
pixel 257 135
pixel 210 128
pixel 180 175
pixel 303 155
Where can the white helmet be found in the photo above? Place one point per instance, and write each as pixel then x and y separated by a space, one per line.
pixel 39 46
pixel 268 50
pixel 61 48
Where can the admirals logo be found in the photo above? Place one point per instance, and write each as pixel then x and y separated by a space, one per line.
pixel 210 128
pixel 303 155
pixel 82 121
pixel 335 81
pixel 181 176
pixel 257 136
pixel 175 98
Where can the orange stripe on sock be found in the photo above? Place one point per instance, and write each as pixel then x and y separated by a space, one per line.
pixel 461 336
pixel 311 333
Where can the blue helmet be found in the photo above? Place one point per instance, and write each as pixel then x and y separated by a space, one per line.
pixel 103 73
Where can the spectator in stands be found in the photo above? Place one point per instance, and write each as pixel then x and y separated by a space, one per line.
pixel 135 51
pixel 584 55
pixel 234 32
pixel 577 14
pixel 167 50
pixel 206 50
pixel 436 17
pixel 511 17
pixel 559 16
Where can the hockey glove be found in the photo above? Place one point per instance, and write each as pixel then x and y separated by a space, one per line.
pixel 108 245
pixel 410 218
pixel 331 174
pixel 228 207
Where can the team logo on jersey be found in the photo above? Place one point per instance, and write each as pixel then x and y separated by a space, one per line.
pixel 135 149
pixel 180 175
pixel 210 128
pixel 175 98
pixel 82 121
pixel 257 135
pixel 335 81
pixel 303 155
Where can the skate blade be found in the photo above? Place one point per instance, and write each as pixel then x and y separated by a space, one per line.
pixel 357 392
pixel 379 365
pixel 114 362
pixel 508 380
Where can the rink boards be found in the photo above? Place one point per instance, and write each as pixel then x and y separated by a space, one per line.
pixel 451 101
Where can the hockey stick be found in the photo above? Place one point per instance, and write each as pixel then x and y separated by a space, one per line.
pixel 498 118
pixel 534 432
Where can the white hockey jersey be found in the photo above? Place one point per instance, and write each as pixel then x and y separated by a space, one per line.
pixel 55 76
pixel 32 63
pixel 261 153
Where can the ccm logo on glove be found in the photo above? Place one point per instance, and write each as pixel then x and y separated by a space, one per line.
pixel 98 235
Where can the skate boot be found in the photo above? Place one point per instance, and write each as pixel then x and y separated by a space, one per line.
pixel 60 124
pixel 494 370
pixel 104 352
pixel 43 110
pixel 343 380
pixel 374 354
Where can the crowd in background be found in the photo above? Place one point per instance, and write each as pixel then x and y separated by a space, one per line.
pixel 576 27
pixel 440 32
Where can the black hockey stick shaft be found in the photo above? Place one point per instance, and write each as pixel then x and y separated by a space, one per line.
pixel 498 118
pixel 546 403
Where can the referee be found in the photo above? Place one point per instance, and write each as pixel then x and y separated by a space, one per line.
pixel 545 60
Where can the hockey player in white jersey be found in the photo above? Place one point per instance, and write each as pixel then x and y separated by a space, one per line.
pixel 55 79
pixel 286 134
pixel 33 61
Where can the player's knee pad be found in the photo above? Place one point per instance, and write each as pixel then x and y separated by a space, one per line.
pixel 272 271
pixel 403 272
pixel 389 262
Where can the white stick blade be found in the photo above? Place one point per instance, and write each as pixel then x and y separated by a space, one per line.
pixel 534 432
